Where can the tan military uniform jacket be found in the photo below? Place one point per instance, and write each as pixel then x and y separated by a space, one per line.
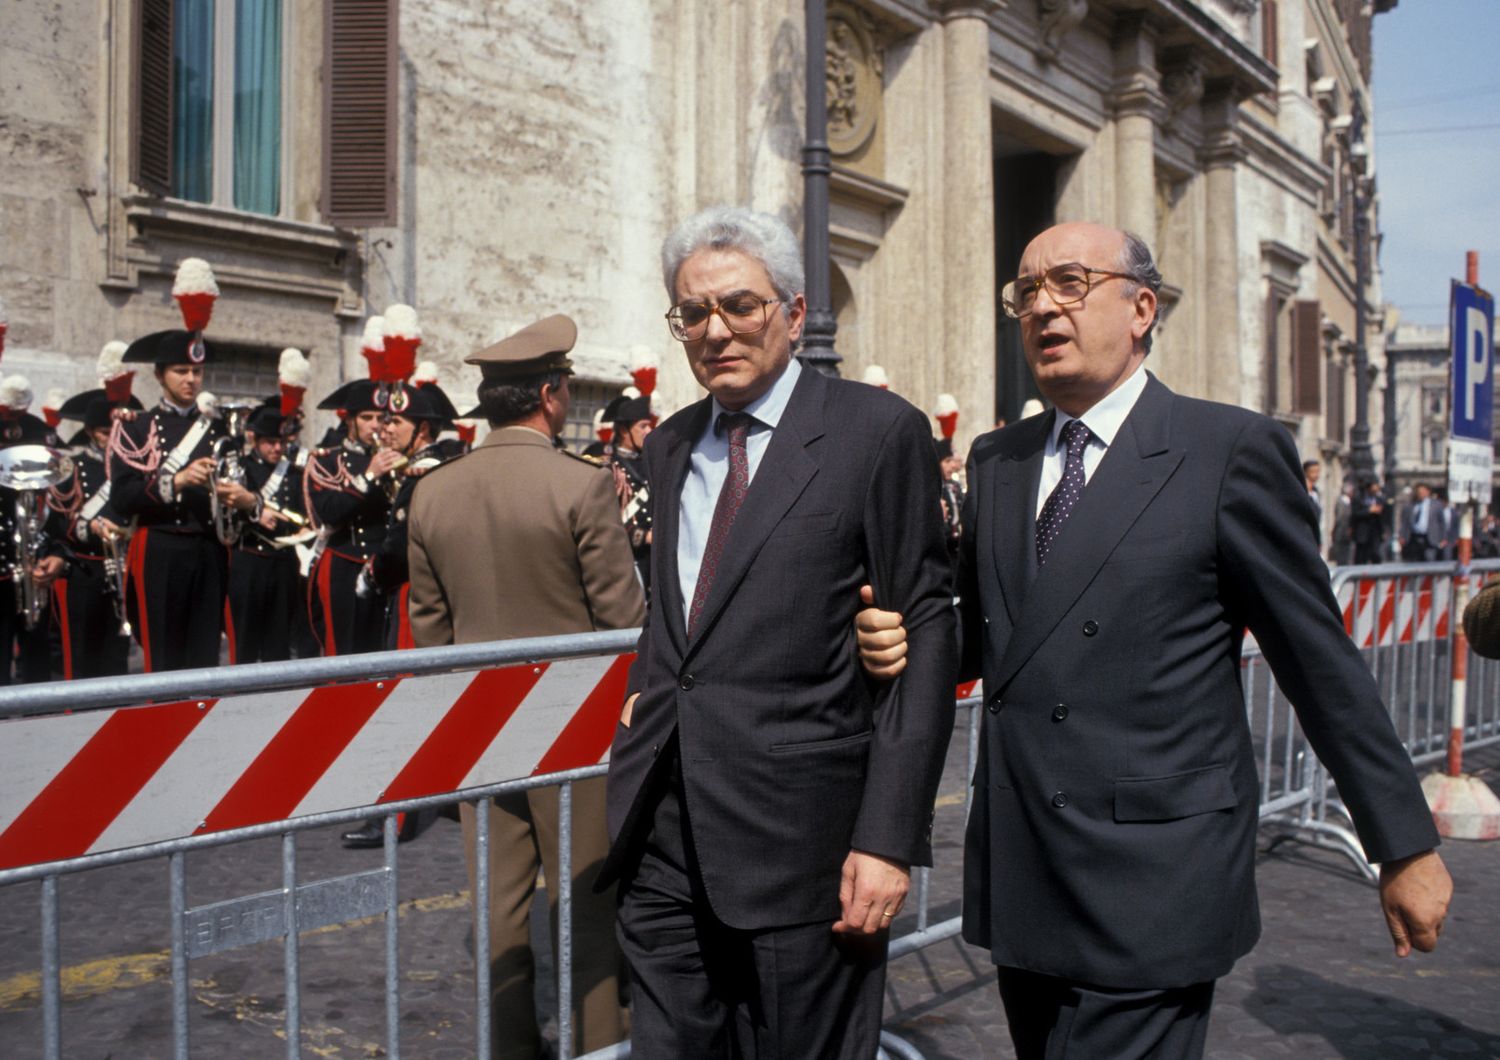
pixel 518 539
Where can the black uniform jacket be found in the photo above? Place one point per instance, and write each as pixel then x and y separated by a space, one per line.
pixel 790 757
pixel 1112 835
pixel 353 508
pixel 145 492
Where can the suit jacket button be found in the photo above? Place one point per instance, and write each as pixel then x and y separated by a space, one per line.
pixel 994 707
pixel 1059 712
pixel 1090 628
pixel 686 682
pixel 1060 800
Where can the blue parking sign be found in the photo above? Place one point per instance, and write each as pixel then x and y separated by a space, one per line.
pixel 1471 428
pixel 1473 340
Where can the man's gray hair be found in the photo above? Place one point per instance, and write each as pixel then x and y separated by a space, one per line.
pixel 1137 264
pixel 764 237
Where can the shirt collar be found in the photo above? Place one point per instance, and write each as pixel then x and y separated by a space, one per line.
pixel 769 407
pixel 1106 418
pixel 180 410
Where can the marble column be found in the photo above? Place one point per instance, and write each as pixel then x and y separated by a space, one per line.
pixel 1221 155
pixel 968 195
pixel 1137 103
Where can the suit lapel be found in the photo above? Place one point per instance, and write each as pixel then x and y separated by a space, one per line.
pixel 1129 477
pixel 784 472
pixel 667 590
pixel 1011 510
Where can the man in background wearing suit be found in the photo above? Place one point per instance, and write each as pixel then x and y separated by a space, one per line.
pixel 766 801
pixel 1114 552
pixel 521 539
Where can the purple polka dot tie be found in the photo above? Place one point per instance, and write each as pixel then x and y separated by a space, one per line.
pixel 1060 504
pixel 731 495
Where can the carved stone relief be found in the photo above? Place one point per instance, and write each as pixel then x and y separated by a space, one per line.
pixel 854 71
pixel 1056 19
pixel 1182 85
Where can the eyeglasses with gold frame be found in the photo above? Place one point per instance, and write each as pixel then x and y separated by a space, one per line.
pixel 742 313
pixel 1066 283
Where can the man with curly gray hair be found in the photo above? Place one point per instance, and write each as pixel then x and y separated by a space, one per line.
pixel 766 802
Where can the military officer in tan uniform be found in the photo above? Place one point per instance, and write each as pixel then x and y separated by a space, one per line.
pixel 521 539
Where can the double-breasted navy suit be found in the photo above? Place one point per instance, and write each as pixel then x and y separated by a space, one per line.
pixel 1112 836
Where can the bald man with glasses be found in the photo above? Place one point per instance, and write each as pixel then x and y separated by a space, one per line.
pixel 1115 550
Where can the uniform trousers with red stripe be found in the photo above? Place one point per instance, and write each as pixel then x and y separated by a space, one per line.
pixel 29 651
pixel 87 624
pixel 351 623
pixel 524 837
pixel 178 581
pixel 263 602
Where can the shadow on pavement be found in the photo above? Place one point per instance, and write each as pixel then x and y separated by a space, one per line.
pixel 1356 1024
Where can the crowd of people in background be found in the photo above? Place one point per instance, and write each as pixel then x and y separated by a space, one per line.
pixel 201 530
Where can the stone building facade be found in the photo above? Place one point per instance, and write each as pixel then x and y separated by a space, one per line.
pixel 490 162
pixel 1419 358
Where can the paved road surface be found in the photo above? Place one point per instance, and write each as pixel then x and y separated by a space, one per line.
pixel 1322 983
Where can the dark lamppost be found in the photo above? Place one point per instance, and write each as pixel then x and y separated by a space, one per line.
pixel 817 163
pixel 1361 456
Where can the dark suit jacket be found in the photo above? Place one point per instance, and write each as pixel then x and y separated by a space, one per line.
pixel 790 756
pixel 1112 835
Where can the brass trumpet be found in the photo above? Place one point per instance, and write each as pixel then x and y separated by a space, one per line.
pixel 227 468
pixel 116 569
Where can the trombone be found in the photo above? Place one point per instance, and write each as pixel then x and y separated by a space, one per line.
pixel 29 470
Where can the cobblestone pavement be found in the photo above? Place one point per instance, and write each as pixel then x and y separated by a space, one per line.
pixel 1322 982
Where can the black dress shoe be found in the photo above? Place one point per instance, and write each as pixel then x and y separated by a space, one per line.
pixel 369 834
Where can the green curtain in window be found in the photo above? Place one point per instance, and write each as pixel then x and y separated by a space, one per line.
pixel 257 106
pixel 193 100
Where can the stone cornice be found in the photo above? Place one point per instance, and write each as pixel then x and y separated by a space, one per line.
pixel 949 10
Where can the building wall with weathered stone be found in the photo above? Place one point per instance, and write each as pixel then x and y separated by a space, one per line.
pixel 543 154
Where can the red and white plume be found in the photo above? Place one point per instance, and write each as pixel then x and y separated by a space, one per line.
pixel 4 326
pixel 293 373
pixel 466 430
pixel 947 414
pixel 426 374
pixel 643 366
pixel 195 290
pixel 15 395
pixel 372 346
pixel 402 337
pixel 875 376
pixel 604 431
pixel 115 376
pixel 54 401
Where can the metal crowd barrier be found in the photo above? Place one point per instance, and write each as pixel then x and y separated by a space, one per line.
pixel 299 905
pixel 1404 618
pixel 1295 795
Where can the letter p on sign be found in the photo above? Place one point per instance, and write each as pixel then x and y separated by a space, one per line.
pixel 1477 371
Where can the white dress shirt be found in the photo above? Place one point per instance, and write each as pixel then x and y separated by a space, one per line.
pixel 1103 421
pixel 709 467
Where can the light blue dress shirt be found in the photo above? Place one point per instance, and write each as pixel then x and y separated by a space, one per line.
pixel 709 467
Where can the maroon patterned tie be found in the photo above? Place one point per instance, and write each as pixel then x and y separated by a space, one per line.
pixel 731 495
pixel 1059 505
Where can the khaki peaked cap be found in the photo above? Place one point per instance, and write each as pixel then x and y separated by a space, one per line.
pixel 536 348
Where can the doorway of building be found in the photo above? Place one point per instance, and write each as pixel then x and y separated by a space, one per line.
pixel 1025 204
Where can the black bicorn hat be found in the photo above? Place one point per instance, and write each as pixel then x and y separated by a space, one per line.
pixel 25 429
pixel 174 346
pixel 420 402
pixel 355 396
pixel 628 409
pixel 93 407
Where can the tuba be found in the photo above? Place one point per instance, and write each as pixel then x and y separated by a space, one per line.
pixel 227 468
pixel 29 470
